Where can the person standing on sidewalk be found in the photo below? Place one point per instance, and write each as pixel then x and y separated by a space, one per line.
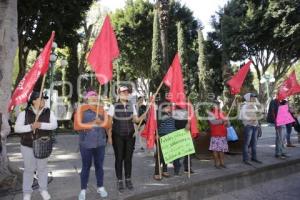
pixel 92 141
pixel 166 125
pixel 289 127
pixel 218 132
pixel 250 120
pixel 181 116
pixel 271 118
pixel 26 126
pixel 124 115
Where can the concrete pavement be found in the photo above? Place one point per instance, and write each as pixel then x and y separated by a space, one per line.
pixel 65 165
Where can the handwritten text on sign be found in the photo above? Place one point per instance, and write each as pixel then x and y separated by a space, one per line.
pixel 176 145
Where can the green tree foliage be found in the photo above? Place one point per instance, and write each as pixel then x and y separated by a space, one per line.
pixel 182 50
pixel 36 20
pixel 133 27
pixel 156 61
pixel 267 31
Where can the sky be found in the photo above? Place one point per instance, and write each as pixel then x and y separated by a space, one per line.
pixel 202 9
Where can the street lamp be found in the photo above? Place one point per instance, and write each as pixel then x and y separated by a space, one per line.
pixel 53 58
pixel 267 78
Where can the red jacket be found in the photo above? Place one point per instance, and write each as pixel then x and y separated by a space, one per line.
pixel 218 130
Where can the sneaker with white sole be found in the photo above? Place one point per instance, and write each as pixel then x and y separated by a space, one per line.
pixel 102 191
pixel 45 195
pixel 26 196
pixel 81 195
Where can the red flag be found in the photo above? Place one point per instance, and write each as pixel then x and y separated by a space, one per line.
pixel 150 128
pixel 236 82
pixel 173 79
pixel 193 121
pixel 103 52
pixel 25 86
pixel 289 87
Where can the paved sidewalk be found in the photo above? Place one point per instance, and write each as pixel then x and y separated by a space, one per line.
pixel 65 166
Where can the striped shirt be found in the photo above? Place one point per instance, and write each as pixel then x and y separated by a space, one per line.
pixel 166 125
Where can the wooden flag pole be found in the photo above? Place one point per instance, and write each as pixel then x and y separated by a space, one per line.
pixel 158 154
pixel 153 99
pixel 40 97
pixel 189 166
pixel 231 106
pixel 98 102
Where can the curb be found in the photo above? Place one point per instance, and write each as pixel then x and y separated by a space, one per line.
pixel 199 189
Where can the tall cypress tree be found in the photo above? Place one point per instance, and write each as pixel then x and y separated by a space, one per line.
pixel 156 61
pixel 201 66
pixel 181 45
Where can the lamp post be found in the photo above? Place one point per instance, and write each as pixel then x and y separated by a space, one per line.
pixel 53 58
pixel 267 78
pixel 63 64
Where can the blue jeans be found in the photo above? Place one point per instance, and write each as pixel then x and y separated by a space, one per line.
pixel 279 142
pixel 87 155
pixel 177 165
pixel 250 140
pixel 288 133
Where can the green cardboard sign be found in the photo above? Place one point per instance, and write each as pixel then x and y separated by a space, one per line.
pixel 176 145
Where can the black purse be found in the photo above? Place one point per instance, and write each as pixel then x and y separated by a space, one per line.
pixel 42 147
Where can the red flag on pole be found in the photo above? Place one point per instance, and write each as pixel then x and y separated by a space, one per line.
pixel 173 79
pixel 103 52
pixel 193 121
pixel 236 82
pixel 25 86
pixel 289 87
pixel 151 127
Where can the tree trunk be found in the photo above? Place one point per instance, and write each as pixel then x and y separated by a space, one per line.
pixel 8 46
pixel 72 70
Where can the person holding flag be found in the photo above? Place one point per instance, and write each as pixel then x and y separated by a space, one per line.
pixel 123 115
pixel 36 119
pixel 92 141
pixel 26 125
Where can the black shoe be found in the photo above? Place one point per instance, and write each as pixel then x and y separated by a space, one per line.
pixel 223 166
pixel 257 161
pixel 246 162
pixel 120 186
pixel 218 166
pixel 128 184
pixel 186 171
pixel 176 174
pixel 280 157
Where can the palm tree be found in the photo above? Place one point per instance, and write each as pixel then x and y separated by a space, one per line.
pixel 8 46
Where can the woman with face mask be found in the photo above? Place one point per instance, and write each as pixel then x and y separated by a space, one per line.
pixel 26 126
pixel 123 115
pixel 91 121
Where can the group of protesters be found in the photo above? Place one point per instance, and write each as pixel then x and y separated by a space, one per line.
pixel 117 126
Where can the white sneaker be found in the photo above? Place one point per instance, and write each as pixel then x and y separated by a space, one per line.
pixel 81 195
pixel 45 195
pixel 26 196
pixel 102 192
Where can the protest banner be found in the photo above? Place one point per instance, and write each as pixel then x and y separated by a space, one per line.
pixel 176 145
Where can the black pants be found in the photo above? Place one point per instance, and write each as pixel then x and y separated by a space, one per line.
pixel 162 161
pixel 186 163
pixel 123 148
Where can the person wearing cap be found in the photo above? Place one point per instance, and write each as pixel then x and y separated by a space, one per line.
pixel 271 118
pixel 26 126
pixel 92 140
pixel 123 115
pixel 218 123
pixel 249 117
